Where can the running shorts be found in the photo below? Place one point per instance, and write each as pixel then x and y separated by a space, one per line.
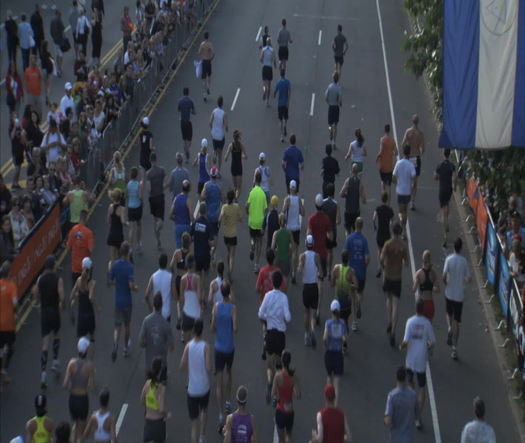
pixel 230 241
pixel 283 53
pixel 122 315
pixel 421 378
pixel 333 115
pixel 444 197
pixel 155 430
pixel 282 112
pixel 267 73
pixel 386 178
pixel 222 359
pixel 187 130
pixel 197 404
pixel 284 420
pixel 78 407
pixel 454 309
pixel 334 363
pixel 310 295
pixel 429 309
pixel 156 206
pixel 50 321
pixel 339 60
pixel 135 214
pixel 206 69
pixel 392 287
pixel 275 342
pixel 403 199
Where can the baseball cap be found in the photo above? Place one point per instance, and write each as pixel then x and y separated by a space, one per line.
pixel 310 239
pixel 204 142
pixel 335 306
pixel 87 263
pixel 18 439
pixel 145 120
pixel 68 86
pixel 214 171
pixel 83 345
pixel 318 200
pixel 329 392
pixel 293 184
pixel 275 200
pixel 262 156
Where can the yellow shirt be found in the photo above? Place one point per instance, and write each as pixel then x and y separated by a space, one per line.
pixel 230 216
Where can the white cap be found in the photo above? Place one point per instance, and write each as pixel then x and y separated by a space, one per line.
pixel 335 306
pixel 87 263
pixel 204 142
pixel 293 184
pixel 310 239
pixel 101 92
pixel 318 200
pixel 83 345
pixel 145 120
pixel 68 86
pixel 262 156
pixel 18 439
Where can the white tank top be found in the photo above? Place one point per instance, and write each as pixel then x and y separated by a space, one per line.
pixel 265 177
pixel 267 56
pixel 101 435
pixel 217 295
pixel 293 222
pixel 358 152
pixel 217 124
pixel 191 300
pixel 198 383
pixel 162 283
pixel 310 270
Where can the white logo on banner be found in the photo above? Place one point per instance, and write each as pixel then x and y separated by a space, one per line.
pixel 499 15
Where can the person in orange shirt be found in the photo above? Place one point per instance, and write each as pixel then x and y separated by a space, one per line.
pixel 33 81
pixel 385 160
pixel 8 303
pixel 80 243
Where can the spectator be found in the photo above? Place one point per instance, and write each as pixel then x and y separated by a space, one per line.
pixel 33 80
pixel 36 203
pixel 37 24
pixel 98 7
pixel 127 27
pixel 67 100
pixel 46 61
pixel 5 198
pixel 13 86
pixel 27 40
pixel 48 194
pixel 516 232
pixel 57 34
pixel 74 14
pixel 18 147
pixel 96 37
pixel 19 224
pixel 83 27
pixel 478 430
pixel 7 241
pixel 516 263
pixel 34 134
pixel 99 116
pixel 11 30
pixel 27 212
pixel 53 143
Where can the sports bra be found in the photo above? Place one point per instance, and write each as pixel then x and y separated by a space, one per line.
pixel 427 284
pixel 101 434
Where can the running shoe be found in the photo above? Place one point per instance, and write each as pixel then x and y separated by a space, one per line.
pixel 358 313
pixel 393 340
pixel 418 424
pixel 389 328
pixel 114 354
pixel 252 253
pixel 285 132
pixel 355 326
pixel 454 354
pixel 55 367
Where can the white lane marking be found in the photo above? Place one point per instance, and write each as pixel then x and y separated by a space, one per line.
pixel 258 34
pixel 431 395
pixel 325 17
pixel 235 99
pixel 312 104
pixel 120 418
pixel 320 37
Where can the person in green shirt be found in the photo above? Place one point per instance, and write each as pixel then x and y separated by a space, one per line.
pixel 282 245
pixel 256 207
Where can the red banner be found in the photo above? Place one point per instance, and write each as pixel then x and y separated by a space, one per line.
pixel 472 193
pixel 41 241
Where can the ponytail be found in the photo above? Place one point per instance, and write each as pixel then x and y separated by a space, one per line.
pixel 155 370
pixel 359 137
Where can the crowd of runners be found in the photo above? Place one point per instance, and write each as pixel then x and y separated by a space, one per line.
pixel 300 251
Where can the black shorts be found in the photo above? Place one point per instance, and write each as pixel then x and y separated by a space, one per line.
pixel 454 309
pixel 339 59
pixel 187 322
pixel 218 145
pixel 282 112
pixel 214 229
pixel 296 236
pixel 230 241
pixel 310 295
pixel 392 287
pixel 122 315
pixel 156 206
pixel 350 219
pixel 444 197
pixel 135 214
pixel 284 266
pixel 187 130
pixel 334 363
pixel 197 404
pixel 283 53
pixel 50 321
pixel 255 233
pixel 222 360
pixel 202 264
pixel 78 407
pixel 275 342
pixel 421 378
pixel 154 430
pixel 284 420
pixel 7 338
pixel 386 178
pixel 85 325
pixel 360 285
pixel 206 68
pixel 403 199
pixel 267 73
pixel 333 115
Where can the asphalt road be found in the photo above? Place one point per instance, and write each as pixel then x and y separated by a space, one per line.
pixel 370 364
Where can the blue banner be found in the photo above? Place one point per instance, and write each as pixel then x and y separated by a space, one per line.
pixel 491 253
pixel 503 283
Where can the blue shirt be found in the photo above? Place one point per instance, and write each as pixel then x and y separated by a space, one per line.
pixel 293 158
pixel 336 331
pixel 203 172
pixel 357 247
pixel 224 328
pixel 122 275
pixel 213 201
pixel 185 107
pixel 283 87
pixel 401 405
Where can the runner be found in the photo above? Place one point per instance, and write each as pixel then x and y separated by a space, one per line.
pixel 330 169
pixel 272 220
pixel 224 325
pixel 116 219
pixel 155 184
pixel 122 275
pixel 385 160
pixel 357 151
pixel 178 268
pixel 50 290
pixel 212 196
pixel 196 361
pixel 264 36
pixel 190 298
pixel 231 215
pixel 265 175
pixel 238 153
pixel 455 275
pixel 415 139
pixel 345 282
pixel 404 177
pixel 117 174
pixel 102 425
pixel 293 208
pixel 186 108
pixel 79 380
pixel 240 425
pixel 80 243
pixel 161 281
pixel 293 163
pixel 264 278
pixel 333 96
pixel 146 144
pixel 478 430
pixel 256 207
pixel 156 338
pixel 426 281
pixel 134 198
pixel 353 191
pixel 201 231
pixel 447 176
pixel 358 258
pixel 214 294
pixel 393 255
pixel 177 176
pixel 207 54
pixel 40 428
pixel 311 268
pixel 275 312
pixel 284 89
pixel 8 305
pixel 153 397
pixel 383 218
pixel 182 213
pixel 202 160
pixel 282 246
pixel 339 46
pixel 285 387
pixel 219 127
pixel 401 409
pixel 84 290
pixel 331 209
pixel 419 338
pixel 267 59
pixel 284 38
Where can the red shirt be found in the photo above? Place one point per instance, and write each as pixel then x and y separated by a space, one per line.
pixel 264 281
pixel 333 425
pixel 80 242
pixel 319 225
